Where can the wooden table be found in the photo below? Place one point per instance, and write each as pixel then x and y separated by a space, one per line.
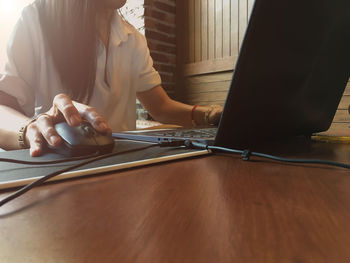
pixel 210 209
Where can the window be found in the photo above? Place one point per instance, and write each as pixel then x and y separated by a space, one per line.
pixel 133 12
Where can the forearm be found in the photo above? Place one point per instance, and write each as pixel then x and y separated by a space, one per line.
pixel 173 112
pixel 166 110
pixel 10 123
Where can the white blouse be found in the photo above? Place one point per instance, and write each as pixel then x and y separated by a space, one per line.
pixel 29 74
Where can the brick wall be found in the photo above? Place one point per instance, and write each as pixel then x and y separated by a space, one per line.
pixel 160 31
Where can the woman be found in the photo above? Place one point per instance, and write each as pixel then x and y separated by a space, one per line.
pixel 70 60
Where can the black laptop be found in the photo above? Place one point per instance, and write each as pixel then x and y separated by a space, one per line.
pixel 292 70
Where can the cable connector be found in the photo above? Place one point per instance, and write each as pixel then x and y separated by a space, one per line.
pixel 195 145
pixel 164 142
pixel 246 155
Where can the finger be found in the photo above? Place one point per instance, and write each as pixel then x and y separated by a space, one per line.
pixel 35 140
pixel 65 105
pixel 91 115
pixel 45 126
pixel 97 121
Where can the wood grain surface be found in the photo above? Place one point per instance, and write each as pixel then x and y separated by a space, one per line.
pixel 212 209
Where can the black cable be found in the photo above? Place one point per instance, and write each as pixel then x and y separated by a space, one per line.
pixel 72 159
pixel 51 175
pixel 311 161
pixel 246 155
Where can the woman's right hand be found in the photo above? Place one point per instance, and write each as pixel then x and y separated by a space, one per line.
pixel 42 131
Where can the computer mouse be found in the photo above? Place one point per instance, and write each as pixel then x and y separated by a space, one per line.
pixel 82 140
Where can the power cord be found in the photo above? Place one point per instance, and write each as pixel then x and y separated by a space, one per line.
pixel 246 154
pixel 43 179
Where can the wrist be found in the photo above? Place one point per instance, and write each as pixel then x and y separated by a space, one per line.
pixel 21 136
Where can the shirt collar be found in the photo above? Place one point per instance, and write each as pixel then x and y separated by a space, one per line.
pixel 120 29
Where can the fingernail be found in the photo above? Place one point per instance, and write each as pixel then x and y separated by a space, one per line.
pixel 54 139
pixel 35 151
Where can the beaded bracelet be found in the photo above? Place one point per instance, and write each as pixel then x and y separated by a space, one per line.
pixel 22 133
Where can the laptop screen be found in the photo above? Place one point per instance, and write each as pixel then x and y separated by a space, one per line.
pixel 291 73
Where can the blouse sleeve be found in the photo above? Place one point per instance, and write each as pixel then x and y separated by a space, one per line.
pixel 17 76
pixel 148 77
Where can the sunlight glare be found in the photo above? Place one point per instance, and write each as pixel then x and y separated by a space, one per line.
pixel 10 11
pixel 7 7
